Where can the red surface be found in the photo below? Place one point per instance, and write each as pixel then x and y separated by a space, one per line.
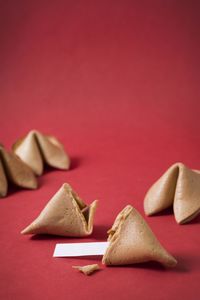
pixel 118 83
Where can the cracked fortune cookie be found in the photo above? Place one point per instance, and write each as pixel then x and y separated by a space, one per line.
pixel 132 241
pixel 65 215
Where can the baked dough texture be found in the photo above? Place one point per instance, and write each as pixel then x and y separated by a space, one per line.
pixel 13 170
pixel 88 269
pixel 65 215
pixel 179 187
pixel 132 241
pixel 35 149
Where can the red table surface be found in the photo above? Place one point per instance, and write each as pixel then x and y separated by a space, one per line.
pixel 118 83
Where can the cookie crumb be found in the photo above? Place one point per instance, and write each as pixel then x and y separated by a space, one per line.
pixel 88 269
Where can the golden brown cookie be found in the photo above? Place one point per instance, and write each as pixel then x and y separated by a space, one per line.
pixel 65 214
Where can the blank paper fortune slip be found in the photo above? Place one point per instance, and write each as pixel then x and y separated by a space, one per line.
pixel 80 249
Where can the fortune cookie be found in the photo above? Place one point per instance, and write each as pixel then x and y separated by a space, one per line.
pixel 179 186
pixel 36 148
pixel 132 241
pixel 3 181
pixel 13 169
pixel 65 214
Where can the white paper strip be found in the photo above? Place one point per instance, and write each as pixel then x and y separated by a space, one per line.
pixel 80 249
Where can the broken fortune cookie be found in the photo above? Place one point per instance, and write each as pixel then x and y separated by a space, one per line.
pixel 36 147
pixel 178 186
pixel 13 170
pixel 132 241
pixel 65 214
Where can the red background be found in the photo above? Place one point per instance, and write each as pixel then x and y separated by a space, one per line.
pixel 118 83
